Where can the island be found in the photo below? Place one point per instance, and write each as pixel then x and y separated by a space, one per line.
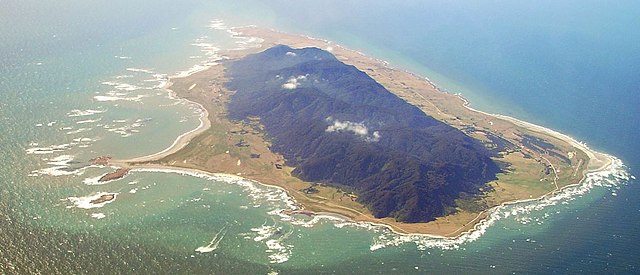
pixel 117 174
pixel 347 134
pixel 103 199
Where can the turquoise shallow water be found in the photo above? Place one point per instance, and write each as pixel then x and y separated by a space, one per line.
pixel 80 80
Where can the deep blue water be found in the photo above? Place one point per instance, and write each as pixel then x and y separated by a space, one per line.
pixel 572 66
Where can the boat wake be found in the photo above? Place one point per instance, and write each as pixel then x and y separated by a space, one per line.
pixel 213 244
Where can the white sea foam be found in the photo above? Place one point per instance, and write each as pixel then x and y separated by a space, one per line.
pixel 126 130
pixel 243 42
pixel 278 252
pixel 210 53
pixel 61 160
pixel 94 180
pixel 313 221
pixel 85 202
pixel 276 197
pixel 54 171
pixel 218 25
pixel 48 150
pixel 140 70
pixel 88 121
pixel 255 190
pixel 123 76
pixel 61 170
pixel 82 140
pixel 206 48
pixel 88 112
pixel 77 131
pixel 161 79
pixel 124 86
pixel 263 232
pixel 118 98
pixel 198 67
pixel 60 166
pixel 98 215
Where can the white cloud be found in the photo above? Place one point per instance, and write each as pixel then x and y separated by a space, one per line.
pixel 291 54
pixel 359 129
pixel 293 82
pixel 375 138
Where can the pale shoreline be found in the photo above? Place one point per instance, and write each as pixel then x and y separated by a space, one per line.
pixel 537 128
pixel 182 140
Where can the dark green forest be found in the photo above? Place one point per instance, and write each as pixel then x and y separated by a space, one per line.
pixel 337 125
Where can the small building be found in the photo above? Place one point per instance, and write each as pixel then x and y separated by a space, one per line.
pixel 310 190
pixel 547 169
pixel 242 143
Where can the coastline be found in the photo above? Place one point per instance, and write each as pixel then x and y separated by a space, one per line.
pixel 534 127
pixel 475 224
pixel 182 140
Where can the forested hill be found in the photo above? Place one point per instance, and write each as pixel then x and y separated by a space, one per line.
pixel 337 125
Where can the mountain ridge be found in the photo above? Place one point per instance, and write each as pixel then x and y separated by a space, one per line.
pixel 337 125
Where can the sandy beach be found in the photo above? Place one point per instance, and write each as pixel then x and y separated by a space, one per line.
pixel 180 142
pixel 415 89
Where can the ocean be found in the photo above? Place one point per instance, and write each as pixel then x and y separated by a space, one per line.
pixel 83 79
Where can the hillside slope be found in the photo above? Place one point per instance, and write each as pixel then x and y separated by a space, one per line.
pixel 337 125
